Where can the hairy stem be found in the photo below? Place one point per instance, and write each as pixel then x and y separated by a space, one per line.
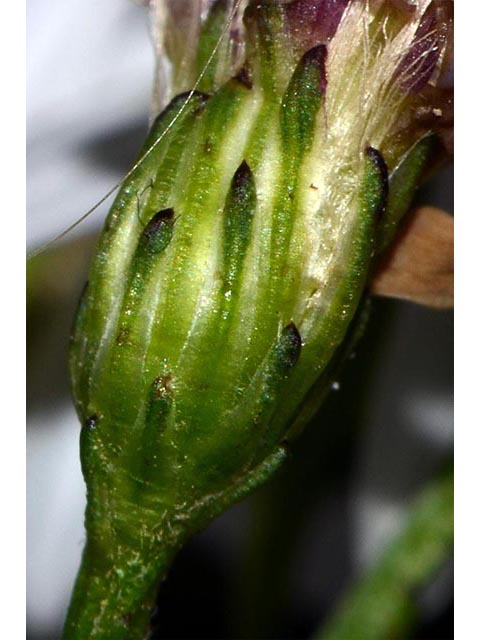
pixel 114 595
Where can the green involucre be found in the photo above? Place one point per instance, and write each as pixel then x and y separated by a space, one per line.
pixel 225 288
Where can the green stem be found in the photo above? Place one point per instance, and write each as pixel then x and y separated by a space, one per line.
pixel 382 604
pixel 114 596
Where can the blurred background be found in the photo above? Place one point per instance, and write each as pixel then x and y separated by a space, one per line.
pixel 276 565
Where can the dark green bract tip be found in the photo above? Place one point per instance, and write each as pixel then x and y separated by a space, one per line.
pixel 289 346
pixel 243 178
pixel 161 388
pixel 91 422
pixel 381 170
pixel 239 211
pixel 303 99
pixel 197 99
pixel 244 76
pixel 158 232
pixel 160 400
pixel 317 57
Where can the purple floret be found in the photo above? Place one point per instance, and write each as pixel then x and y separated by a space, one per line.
pixel 315 21
pixel 418 65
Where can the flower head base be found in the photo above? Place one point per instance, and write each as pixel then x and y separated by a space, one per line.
pixel 228 278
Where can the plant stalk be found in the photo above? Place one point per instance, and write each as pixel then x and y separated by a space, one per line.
pixel 114 596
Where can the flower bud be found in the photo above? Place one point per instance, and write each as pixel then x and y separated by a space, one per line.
pixel 229 276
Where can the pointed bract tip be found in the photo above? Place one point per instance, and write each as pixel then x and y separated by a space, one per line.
pixel 158 232
pixel 162 388
pixel 317 56
pixel 191 96
pixel 243 176
pixel 382 171
pixel 91 422
pixel 244 76
pixel 291 345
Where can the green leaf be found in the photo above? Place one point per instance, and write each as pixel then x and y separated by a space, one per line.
pixel 382 603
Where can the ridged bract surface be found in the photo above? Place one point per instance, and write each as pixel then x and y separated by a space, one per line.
pixel 226 282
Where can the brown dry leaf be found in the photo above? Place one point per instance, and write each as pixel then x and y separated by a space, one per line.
pixel 419 266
